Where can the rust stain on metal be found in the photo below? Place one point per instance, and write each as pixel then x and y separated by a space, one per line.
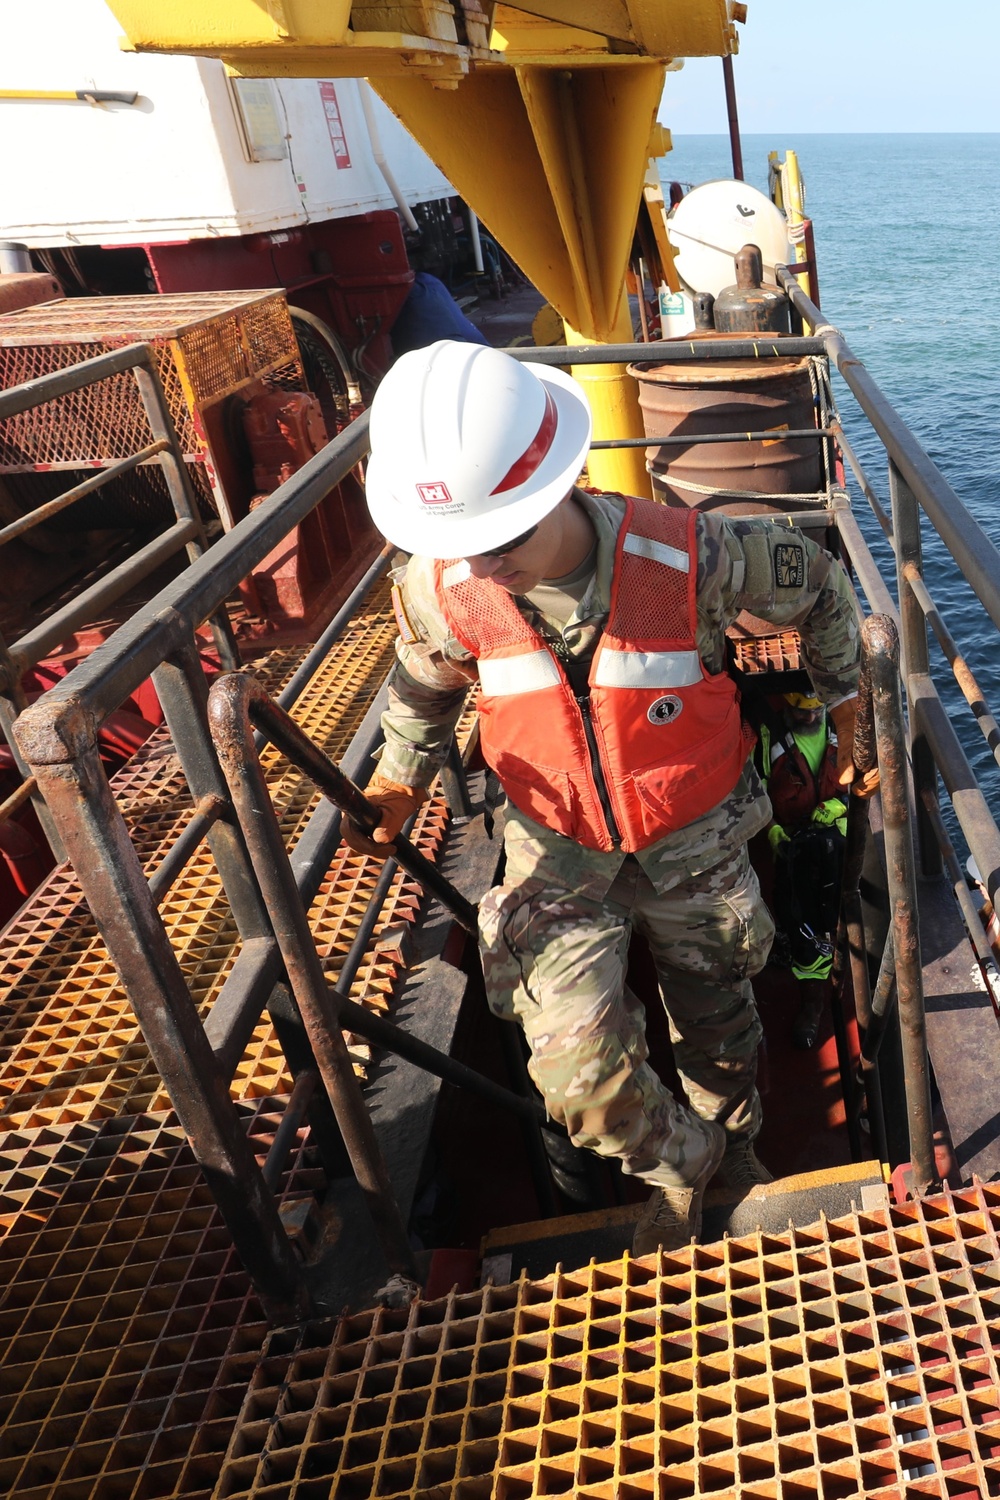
pixel 48 734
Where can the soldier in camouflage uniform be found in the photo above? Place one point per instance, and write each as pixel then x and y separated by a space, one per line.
pixel 555 934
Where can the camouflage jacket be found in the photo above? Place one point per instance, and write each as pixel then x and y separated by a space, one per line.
pixel 777 574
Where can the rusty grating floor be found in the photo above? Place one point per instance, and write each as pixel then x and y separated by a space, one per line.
pixel 857 1356
pixel 70 1047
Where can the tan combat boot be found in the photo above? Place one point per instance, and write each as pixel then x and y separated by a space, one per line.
pixel 741 1168
pixel 672 1217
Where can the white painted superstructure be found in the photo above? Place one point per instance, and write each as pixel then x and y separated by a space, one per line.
pixel 197 156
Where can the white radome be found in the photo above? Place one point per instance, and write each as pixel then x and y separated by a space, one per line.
pixel 715 221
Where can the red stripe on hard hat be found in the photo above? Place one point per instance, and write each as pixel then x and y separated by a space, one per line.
pixel 523 467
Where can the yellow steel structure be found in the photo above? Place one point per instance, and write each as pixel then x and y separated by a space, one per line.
pixel 309 38
pixel 541 116
pixel 790 195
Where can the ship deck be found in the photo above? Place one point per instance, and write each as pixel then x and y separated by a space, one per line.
pixel 854 1350
pixel 857 1354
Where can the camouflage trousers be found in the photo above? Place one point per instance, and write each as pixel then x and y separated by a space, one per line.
pixel 555 961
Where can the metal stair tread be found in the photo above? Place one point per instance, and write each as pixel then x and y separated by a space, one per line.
pixel 573 1240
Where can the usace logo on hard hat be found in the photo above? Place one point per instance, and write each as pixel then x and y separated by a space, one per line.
pixel 434 494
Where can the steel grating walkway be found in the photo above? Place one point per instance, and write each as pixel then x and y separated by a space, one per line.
pixel 70 1047
pixel 857 1356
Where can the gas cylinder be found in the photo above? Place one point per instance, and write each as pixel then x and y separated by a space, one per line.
pixel 704 315
pixel 749 307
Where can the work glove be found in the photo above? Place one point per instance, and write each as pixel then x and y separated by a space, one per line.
pixel 829 812
pixel 776 836
pixel 397 803
pixel 843 719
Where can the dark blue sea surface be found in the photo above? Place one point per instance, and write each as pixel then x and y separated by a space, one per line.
pixel 908 247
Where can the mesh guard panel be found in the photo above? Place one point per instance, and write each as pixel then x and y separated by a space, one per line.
pixel 483 616
pixel 651 594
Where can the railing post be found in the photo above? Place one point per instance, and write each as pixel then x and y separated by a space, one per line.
pixel 230 721
pixel 881 648
pixel 182 497
pixel 915 659
pixel 62 753
pixel 182 688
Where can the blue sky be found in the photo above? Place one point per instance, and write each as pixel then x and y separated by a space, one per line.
pixel 850 65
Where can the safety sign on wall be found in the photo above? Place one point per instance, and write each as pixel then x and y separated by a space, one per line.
pixel 334 124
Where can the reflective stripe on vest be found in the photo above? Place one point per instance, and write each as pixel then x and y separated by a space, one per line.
pixel 661 552
pixel 647 669
pixel 456 572
pixel 528 672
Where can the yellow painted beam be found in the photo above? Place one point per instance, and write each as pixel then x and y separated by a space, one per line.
pixel 614 401
pixel 370 54
pixel 682 28
pixel 607 17
pixel 481 139
pixel 526 39
pixel 553 164
pixel 654 28
pixel 211 27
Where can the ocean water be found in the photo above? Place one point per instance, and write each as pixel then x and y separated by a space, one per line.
pixel 908 249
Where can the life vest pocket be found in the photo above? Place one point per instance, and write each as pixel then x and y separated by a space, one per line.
pixel 540 792
pixel 663 793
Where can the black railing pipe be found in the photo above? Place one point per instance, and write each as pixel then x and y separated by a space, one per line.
pixel 689 439
pixel 881 645
pixel 664 352
pixel 229 715
pixel 393 1038
pixel 318 653
pixel 968 543
pixel 293 742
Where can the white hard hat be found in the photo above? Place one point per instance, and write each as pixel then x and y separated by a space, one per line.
pixel 470 448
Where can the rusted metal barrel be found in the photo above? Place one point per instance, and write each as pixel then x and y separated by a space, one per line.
pixel 720 396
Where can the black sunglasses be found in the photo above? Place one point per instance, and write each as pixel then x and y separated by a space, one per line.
pixel 512 546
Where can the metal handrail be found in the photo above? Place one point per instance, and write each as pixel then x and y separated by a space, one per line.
pixel 186 533
pixel 970 546
pixel 58 738
pixel 918 485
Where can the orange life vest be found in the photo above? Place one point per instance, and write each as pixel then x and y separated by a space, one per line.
pixel 653 743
